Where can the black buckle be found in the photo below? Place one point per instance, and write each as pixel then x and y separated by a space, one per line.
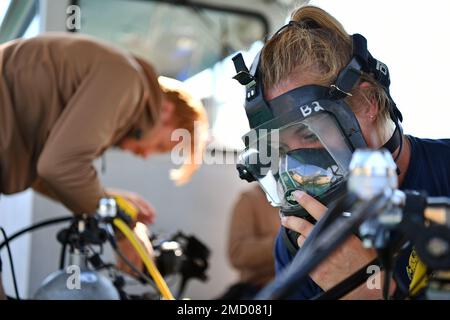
pixel 243 75
pixel 245 78
pixel 338 93
pixel 244 174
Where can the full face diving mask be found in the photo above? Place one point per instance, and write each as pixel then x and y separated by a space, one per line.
pixel 304 139
pixel 310 155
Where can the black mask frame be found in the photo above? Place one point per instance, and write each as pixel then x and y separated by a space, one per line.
pixel 303 101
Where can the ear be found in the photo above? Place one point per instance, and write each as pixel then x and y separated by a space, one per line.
pixel 167 110
pixel 371 111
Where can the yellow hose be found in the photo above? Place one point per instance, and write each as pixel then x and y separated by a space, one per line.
pixel 148 262
pixel 127 207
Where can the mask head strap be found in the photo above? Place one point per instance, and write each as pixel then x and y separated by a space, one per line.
pixel 363 61
pixel 257 109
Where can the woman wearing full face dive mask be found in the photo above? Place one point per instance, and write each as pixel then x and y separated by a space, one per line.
pixel 313 78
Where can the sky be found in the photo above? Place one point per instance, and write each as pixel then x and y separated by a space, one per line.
pixel 413 39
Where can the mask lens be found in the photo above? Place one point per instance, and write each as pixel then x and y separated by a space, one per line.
pixel 311 155
pixel 310 170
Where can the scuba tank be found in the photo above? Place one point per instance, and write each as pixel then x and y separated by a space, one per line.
pixel 77 282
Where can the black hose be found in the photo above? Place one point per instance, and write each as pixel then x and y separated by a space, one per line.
pixel 62 257
pixel 349 284
pixel 18 234
pixel 11 263
pixel 387 283
pixel 35 226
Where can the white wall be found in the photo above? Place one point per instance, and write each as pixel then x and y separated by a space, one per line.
pixel 15 213
pixel 53 15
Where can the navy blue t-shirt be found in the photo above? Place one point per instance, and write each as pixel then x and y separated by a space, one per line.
pixel 428 170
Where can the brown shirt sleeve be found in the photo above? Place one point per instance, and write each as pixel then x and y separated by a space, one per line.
pixel 40 186
pixel 246 248
pixel 103 103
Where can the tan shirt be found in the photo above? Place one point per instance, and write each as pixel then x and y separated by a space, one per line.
pixel 253 229
pixel 64 99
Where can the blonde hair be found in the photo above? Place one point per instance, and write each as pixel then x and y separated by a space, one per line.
pixel 189 114
pixel 320 47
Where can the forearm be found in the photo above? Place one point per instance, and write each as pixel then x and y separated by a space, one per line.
pixel 372 289
pixel 40 187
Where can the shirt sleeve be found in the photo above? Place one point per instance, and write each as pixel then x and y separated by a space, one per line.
pixel 40 187
pixel 104 102
pixel 246 248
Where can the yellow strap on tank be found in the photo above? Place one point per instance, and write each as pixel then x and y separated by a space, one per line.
pixel 127 207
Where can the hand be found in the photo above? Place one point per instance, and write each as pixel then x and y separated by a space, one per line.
pixel 140 230
pixel 146 213
pixel 348 258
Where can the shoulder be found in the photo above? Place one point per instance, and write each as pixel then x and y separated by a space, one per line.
pixel 429 168
pixel 82 50
pixel 76 53
pixel 431 150
pixel 73 43
pixel 78 42
pixel 441 144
